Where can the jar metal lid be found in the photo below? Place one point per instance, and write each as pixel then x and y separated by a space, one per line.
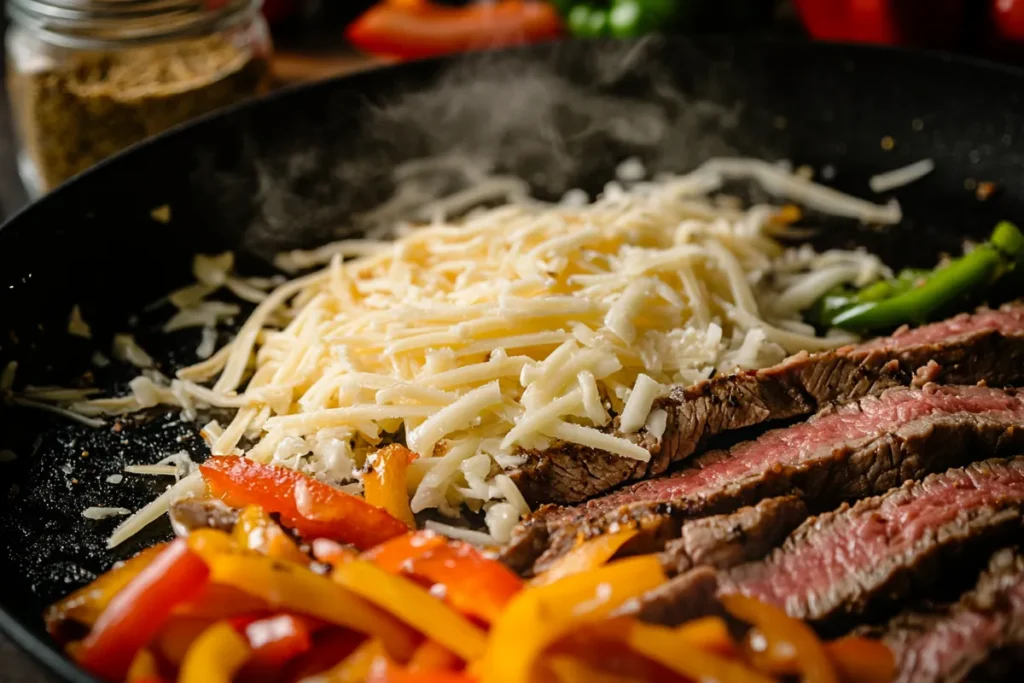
pixel 103 23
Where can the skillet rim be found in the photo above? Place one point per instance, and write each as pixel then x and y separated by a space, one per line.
pixel 43 650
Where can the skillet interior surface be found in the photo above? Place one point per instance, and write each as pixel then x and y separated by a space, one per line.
pixel 294 169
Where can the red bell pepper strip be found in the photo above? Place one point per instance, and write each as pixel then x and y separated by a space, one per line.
pixel 858 21
pixel 1008 17
pixel 471 583
pixel 85 605
pixel 329 648
pixel 138 610
pixel 276 640
pixel 312 508
pixel 413 32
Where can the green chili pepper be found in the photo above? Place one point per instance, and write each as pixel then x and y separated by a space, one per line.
pixel 908 299
pixel 620 18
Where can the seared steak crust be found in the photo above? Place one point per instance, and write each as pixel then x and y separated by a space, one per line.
pixel 984 346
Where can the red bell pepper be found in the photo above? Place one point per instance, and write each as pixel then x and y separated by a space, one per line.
pixel 329 648
pixel 138 610
pixel 471 583
pixel 276 640
pixel 312 508
pixel 411 31
pixel 889 22
pixel 1008 18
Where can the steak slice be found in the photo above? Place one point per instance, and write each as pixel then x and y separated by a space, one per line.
pixel 986 345
pixel 948 645
pixel 842 453
pixel 884 548
pixel 688 596
pixel 724 541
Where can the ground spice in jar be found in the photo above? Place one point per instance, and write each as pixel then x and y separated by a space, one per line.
pixel 95 104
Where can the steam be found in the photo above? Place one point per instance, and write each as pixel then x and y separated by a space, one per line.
pixel 557 118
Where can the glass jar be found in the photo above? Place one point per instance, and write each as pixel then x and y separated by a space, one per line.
pixel 88 78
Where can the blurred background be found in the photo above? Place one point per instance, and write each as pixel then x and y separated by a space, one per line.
pixel 96 76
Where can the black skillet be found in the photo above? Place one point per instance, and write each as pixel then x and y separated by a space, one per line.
pixel 290 170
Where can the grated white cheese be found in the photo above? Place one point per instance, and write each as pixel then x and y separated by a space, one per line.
pixel 127 349
pixel 509 328
pixel 115 478
pixel 104 513
pixel 897 178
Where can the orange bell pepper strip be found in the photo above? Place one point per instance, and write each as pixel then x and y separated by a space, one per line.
pixel 288 587
pixel 710 634
pixel 787 643
pixel 862 660
pixel 312 508
pixel 215 657
pixel 356 667
pixel 539 616
pixel 332 553
pixel 255 530
pixel 433 657
pixel 86 604
pixel 385 486
pixel 569 669
pixel 394 555
pixel 666 647
pixel 470 582
pixel 392 30
pixel 143 668
pixel 387 671
pixel 215 602
pixel 137 611
pixel 589 555
pixel 413 605
pixel 177 635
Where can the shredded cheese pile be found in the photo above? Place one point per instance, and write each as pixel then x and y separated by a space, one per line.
pixel 508 330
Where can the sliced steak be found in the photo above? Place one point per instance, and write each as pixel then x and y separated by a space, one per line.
pixel 688 596
pixel 885 548
pixel 724 541
pixel 987 345
pixel 949 644
pixel 843 453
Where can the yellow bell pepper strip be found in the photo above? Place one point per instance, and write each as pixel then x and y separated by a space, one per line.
pixel 862 660
pixel 433 657
pixel 312 508
pixel 666 647
pixel 288 587
pixel 143 668
pixel 355 668
pixel 393 555
pixel 413 605
pixel 710 634
pixel 470 582
pixel 85 605
pixel 539 616
pixel 137 611
pixel 589 555
pixel 255 530
pixel 215 602
pixel 570 669
pixel 215 657
pixel 787 642
pixel 385 486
